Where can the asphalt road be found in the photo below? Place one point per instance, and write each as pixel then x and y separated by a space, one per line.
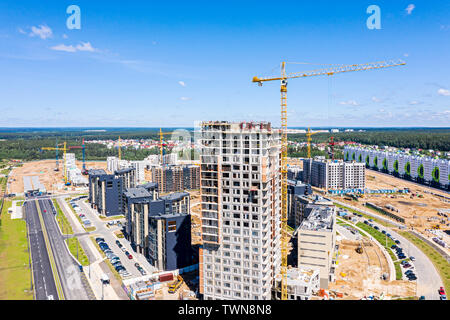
pixel 428 279
pixel 44 284
pixel 74 286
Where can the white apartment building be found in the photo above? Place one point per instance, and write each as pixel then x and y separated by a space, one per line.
pixel 316 242
pixel 241 222
pixel 403 164
pixel 113 164
pixel 333 175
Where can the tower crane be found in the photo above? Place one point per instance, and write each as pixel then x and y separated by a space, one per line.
pixel 309 133
pixel 332 144
pixel 64 149
pixel 283 78
pixel 83 147
pixel 161 145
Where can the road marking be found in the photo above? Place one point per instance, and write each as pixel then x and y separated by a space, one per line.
pixel 50 255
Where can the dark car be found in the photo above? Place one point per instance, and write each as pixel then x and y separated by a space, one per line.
pixel 383 232
pixel 397 241
pixel 366 222
pixel 99 239
pixel 406 265
pixel 376 228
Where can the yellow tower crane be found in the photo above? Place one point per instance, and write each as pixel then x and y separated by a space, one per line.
pixel 64 149
pixel 283 78
pixel 309 133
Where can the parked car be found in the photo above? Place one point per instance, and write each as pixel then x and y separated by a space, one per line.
pixel 383 232
pixel 412 258
pixel 406 265
pixel 397 241
pixel 441 291
pixel 118 242
pixel 443 297
pixel 137 265
pixel 124 249
pixel 142 271
pixel 130 256
pixel 99 240
pixel 393 246
pixel 376 228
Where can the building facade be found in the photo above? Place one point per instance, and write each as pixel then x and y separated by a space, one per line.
pixel 413 167
pixel 317 242
pixel 240 183
pixel 334 174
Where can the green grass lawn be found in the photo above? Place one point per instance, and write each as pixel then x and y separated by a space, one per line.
pixel 61 218
pixel 442 266
pixel 398 271
pixel 15 273
pixel 72 244
pixel 381 238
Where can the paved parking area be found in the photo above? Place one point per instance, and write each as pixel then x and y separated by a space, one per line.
pixel 108 234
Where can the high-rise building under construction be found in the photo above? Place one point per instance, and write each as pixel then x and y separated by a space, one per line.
pixel 241 210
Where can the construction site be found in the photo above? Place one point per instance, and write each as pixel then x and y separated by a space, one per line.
pixel 364 272
pixel 421 207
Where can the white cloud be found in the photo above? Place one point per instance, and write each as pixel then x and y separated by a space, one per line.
pixel 406 55
pixel 21 31
pixel 85 46
pixel 443 92
pixel 63 47
pixel 185 98
pixel 181 83
pixel 414 102
pixel 42 31
pixel 375 99
pixel 65 36
pixel 409 9
pixel 349 103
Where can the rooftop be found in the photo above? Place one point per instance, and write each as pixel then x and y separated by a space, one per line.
pixel 175 196
pixel 96 172
pixel 137 193
pixel 321 218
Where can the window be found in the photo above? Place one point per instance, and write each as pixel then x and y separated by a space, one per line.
pixel 172 226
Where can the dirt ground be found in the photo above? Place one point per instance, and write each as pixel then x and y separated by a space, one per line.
pixel 44 169
pixel 419 213
pixel 359 275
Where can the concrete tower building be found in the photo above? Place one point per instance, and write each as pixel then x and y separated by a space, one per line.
pixel 241 210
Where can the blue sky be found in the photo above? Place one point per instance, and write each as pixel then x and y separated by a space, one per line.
pixel 170 63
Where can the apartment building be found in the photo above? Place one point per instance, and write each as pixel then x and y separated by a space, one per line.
pixel 105 192
pixel 334 174
pixel 316 237
pixel 295 189
pixel 175 178
pixel 159 227
pixel 240 188
pixel 422 169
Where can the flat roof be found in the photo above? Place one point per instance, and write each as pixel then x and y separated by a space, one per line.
pixel 320 219
pixel 174 196
pixel 137 193
pixel 96 172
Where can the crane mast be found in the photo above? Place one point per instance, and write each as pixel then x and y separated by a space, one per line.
pixel 283 78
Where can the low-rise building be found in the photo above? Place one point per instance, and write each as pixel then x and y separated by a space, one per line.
pixel 302 283
pixel 316 242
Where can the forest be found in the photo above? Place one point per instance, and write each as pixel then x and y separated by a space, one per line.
pixel 26 144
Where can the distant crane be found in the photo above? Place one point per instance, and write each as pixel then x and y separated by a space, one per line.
pixel 120 151
pixel 83 147
pixel 309 133
pixel 332 144
pixel 283 78
pixel 161 145
pixel 64 149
